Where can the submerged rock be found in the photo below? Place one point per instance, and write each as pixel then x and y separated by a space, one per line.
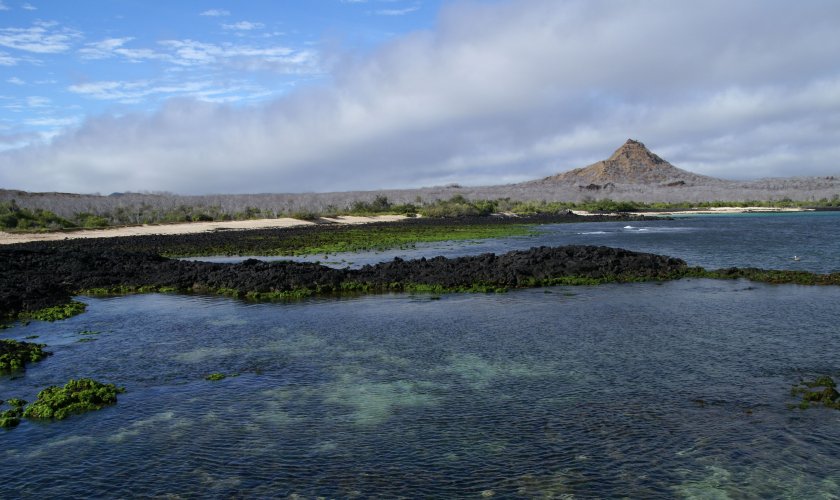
pixel 77 396
pixel 14 355
pixel 821 390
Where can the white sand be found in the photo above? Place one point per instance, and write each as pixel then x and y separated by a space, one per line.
pixel 183 228
pixel 709 211
pixel 726 210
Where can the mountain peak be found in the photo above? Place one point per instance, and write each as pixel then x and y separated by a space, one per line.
pixel 632 163
pixel 634 153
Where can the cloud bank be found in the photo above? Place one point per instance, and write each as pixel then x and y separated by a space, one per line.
pixel 497 92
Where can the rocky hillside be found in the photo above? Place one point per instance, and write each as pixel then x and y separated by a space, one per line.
pixel 632 163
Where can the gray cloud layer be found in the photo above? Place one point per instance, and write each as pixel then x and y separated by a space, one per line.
pixel 498 92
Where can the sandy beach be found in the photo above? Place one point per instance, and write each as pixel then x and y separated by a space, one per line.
pixel 724 210
pixel 184 228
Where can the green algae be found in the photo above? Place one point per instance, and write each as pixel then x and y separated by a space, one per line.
pixel 56 313
pixel 215 376
pixel 125 289
pixel 821 390
pixel 77 396
pixel 771 276
pixel 11 417
pixel 14 355
pixel 341 239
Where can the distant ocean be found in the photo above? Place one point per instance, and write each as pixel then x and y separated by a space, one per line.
pixel 644 390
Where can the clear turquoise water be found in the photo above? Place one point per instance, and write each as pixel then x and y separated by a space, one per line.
pixel 639 390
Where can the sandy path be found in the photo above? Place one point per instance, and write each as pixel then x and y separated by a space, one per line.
pixel 184 228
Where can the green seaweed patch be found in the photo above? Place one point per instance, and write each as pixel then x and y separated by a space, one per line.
pixel 357 288
pixel 77 396
pixel 11 417
pixel 14 355
pixel 771 276
pixel 89 332
pixel 124 289
pixel 215 376
pixel 340 239
pixel 56 313
pixel 821 390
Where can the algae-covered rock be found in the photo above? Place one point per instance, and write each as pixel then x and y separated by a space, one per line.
pixel 821 390
pixel 11 417
pixel 77 396
pixel 14 355
pixel 59 312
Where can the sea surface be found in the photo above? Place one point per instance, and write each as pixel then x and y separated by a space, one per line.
pixel 644 390
pixel 769 241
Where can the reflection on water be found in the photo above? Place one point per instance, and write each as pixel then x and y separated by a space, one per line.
pixel 641 390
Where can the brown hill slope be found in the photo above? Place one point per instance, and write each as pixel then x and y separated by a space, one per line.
pixel 632 163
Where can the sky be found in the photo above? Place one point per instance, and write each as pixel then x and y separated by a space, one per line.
pixel 200 97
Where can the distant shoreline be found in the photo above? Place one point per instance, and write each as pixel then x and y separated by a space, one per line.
pixel 705 211
pixel 185 228
pixel 203 227
pixel 726 210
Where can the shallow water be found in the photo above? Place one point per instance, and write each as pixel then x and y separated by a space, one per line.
pixel 586 391
pixel 648 390
pixel 767 241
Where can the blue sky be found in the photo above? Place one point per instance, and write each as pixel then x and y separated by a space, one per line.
pixel 63 61
pixel 329 95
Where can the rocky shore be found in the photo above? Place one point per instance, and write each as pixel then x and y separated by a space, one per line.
pixel 39 275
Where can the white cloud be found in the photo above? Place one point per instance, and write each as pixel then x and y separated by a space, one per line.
pixel 280 59
pixel 15 81
pixel 3 6
pixel 215 13
pixel 113 47
pixel 42 38
pixel 192 53
pixel 244 26
pixel 128 92
pixel 28 6
pixel 53 122
pixel 7 60
pixel 397 12
pixel 37 101
pixel 103 49
pixel 506 90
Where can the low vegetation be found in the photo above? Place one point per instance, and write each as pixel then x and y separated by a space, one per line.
pixel 55 211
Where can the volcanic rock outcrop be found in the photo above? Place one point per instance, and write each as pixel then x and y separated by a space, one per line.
pixel 35 276
pixel 632 163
